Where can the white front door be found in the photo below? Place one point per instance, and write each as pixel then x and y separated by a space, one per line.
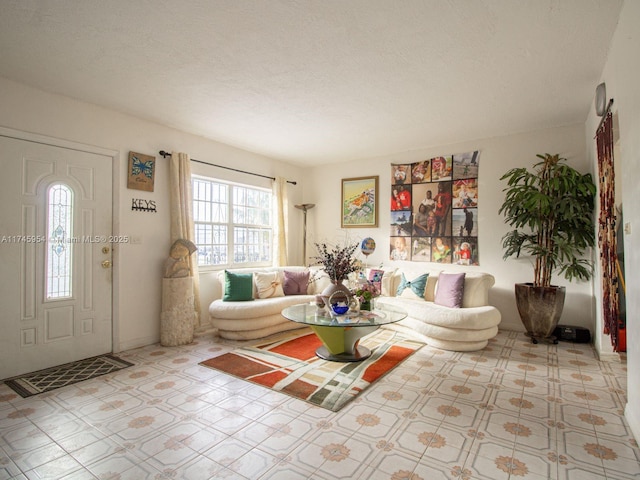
pixel 55 256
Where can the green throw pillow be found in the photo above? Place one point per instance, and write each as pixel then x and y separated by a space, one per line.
pixel 238 287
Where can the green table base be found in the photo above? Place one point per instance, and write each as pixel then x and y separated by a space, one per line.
pixel 360 353
pixel 341 343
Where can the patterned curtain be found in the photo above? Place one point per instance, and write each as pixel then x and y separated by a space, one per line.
pixel 607 230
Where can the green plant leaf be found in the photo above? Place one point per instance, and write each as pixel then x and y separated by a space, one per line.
pixel 551 211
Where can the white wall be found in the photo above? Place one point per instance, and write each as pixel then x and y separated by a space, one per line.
pixel 138 267
pixel 497 155
pixel 622 74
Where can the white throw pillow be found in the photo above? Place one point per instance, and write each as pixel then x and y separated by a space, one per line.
pixel 268 284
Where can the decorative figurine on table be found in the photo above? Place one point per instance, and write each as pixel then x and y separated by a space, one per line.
pixel 340 303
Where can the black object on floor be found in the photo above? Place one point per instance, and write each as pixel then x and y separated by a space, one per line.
pixel 67 374
pixel 568 333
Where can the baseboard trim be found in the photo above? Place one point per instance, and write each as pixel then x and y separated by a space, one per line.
pixel 137 343
pixel 609 357
pixel 634 422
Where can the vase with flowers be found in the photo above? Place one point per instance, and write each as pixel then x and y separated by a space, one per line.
pixel 337 262
pixel 365 292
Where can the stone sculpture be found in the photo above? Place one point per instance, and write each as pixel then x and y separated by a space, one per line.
pixel 178 316
pixel 177 265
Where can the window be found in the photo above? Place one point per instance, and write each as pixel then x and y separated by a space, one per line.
pixel 233 223
pixel 59 245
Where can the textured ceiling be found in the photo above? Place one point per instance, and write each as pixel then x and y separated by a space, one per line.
pixel 319 81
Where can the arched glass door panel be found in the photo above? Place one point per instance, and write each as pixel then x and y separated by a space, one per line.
pixel 59 242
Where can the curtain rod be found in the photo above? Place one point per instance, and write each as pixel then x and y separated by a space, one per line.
pixel 166 154
pixel 604 115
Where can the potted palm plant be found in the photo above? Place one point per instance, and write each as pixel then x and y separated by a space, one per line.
pixel 551 211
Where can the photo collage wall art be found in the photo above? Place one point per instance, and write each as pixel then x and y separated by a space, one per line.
pixel 434 210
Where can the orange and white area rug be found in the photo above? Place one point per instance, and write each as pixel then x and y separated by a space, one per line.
pixel 291 366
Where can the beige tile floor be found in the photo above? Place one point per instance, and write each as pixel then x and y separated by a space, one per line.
pixel 511 411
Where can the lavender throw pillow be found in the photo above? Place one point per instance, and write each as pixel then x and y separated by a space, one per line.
pixel 450 290
pixel 295 283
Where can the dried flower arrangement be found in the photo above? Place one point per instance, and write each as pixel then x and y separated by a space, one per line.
pixel 338 261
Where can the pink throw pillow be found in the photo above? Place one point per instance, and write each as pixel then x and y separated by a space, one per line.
pixel 295 282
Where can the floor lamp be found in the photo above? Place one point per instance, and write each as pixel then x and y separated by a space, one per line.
pixel 304 207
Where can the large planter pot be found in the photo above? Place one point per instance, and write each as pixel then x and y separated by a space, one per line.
pixel 540 309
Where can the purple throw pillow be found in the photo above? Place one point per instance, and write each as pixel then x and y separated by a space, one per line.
pixel 450 290
pixel 295 283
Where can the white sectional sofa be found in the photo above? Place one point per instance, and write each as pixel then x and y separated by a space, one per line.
pixel 260 317
pixel 466 328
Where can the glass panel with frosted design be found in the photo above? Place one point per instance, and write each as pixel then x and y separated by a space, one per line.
pixel 59 244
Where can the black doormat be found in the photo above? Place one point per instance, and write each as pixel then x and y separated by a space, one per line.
pixel 67 374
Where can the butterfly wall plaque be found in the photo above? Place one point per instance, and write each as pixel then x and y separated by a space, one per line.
pixel 141 171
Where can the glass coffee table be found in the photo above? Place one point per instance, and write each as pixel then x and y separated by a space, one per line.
pixel 340 334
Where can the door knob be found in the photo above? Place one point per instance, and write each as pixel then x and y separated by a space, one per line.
pixel 106 263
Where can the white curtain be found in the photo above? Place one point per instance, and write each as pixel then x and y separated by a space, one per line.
pixel 181 205
pixel 280 236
